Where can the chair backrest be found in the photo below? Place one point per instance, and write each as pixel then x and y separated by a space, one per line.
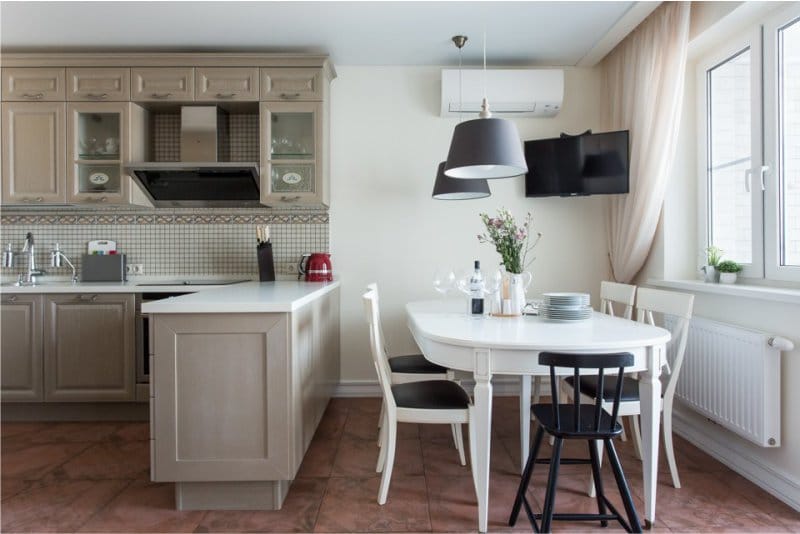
pixel 373 286
pixel 600 362
pixel 370 299
pixel 612 292
pixel 679 305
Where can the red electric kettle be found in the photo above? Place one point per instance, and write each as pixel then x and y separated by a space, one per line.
pixel 316 267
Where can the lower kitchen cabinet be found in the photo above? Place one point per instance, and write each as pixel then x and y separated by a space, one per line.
pixel 89 349
pixel 21 346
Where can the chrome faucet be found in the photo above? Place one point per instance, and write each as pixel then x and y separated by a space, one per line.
pixel 29 278
pixel 56 256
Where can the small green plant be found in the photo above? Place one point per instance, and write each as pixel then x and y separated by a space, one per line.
pixel 729 266
pixel 713 255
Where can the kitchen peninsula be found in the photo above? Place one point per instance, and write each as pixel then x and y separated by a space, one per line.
pixel 240 378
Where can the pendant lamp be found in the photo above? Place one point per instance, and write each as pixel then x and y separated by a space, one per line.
pixel 446 188
pixel 485 148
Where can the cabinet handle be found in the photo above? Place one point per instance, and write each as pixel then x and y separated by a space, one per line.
pixel 34 96
pixel 226 95
pixel 29 200
pixel 161 95
pixel 87 298
pixel 12 298
pixel 290 96
pixel 96 96
pixel 290 199
pixel 92 199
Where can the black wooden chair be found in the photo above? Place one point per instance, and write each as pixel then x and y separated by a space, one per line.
pixel 575 421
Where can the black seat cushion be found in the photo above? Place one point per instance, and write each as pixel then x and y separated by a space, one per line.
pixel 414 364
pixel 588 386
pixel 544 414
pixel 431 395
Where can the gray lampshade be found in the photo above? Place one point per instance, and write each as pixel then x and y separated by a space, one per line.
pixel 485 148
pixel 446 188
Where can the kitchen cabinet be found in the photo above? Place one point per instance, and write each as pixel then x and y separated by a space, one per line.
pixel 215 84
pixel 89 347
pixel 292 161
pixel 33 139
pixel 33 84
pixel 162 84
pixel 21 348
pixel 293 83
pixel 99 84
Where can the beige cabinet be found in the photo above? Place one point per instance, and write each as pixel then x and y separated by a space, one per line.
pixel 214 84
pixel 89 347
pixel 33 84
pixel 160 84
pixel 21 346
pixel 292 83
pixel 33 139
pixel 99 84
pixel 292 161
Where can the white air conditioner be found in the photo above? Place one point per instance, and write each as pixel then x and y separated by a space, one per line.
pixel 511 92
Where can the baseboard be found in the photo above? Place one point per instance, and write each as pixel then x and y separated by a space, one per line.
pixel 727 451
pixel 505 386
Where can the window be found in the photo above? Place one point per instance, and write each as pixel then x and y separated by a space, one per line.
pixel 751 160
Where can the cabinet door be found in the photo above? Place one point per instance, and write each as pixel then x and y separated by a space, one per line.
pixel 34 84
pixel 99 84
pixel 291 153
pixel 89 348
pixel 160 84
pixel 21 345
pixel 222 406
pixel 226 83
pixel 286 84
pixel 33 137
pixel 97 146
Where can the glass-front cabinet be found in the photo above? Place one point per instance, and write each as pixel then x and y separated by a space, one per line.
pixel 291 153
pixel 97 137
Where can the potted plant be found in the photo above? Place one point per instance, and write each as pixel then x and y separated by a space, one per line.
pixel 713 256
pixel 727 271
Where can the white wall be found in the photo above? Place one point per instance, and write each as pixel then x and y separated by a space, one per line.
pixel 386 142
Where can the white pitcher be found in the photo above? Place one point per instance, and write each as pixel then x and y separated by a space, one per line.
pixel 512 292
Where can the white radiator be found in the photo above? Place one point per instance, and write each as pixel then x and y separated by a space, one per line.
pixel 732 376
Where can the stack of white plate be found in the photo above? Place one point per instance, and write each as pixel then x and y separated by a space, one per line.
pixel 565 307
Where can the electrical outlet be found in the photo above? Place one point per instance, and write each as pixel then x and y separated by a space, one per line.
pixel 134 268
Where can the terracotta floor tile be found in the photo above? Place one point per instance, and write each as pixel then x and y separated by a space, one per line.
pixel 143 507
pixel 298 514
pixel 319 458
pixel 35 461
pixel 132 432
pixel 15 429
pixel 365 404
pixel 14 486
pixel 437 432
pixel 350 505
pixel 109 460
pixel 332 424
pixel 357 458
pixel 75 432
pixel 62 506
pixel 783 513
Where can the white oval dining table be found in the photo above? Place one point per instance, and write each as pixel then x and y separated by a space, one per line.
pixel 488 346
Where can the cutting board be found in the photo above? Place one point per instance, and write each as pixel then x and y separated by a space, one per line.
pixel 102 247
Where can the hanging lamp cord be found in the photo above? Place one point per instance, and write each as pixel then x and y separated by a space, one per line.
pixel 485 113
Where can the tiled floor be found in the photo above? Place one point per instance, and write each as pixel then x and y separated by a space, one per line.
pixel 93 477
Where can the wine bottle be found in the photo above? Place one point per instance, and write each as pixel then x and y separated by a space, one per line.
pixel 476 290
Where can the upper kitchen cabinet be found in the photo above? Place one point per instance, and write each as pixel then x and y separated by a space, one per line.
pixel 287 84
pixel 216 84
pixel 162 84
pixel 33 84
pixel 292 141
pixel 33 139
pixel 99 84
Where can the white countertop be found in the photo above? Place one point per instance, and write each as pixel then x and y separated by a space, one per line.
pixel 248 297
pixel 137 284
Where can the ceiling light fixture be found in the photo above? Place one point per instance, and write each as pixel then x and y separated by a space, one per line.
pixel 485 148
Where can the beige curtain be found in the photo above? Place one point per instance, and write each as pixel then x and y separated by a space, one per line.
pixel 643 88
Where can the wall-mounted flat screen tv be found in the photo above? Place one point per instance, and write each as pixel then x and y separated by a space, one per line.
pixel 588 164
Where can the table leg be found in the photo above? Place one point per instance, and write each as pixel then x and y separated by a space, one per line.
pixel 650 399
pixel 524 419
pixel 483 424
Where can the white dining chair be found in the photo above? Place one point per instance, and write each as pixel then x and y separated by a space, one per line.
pixel 422 402
pixel 412 368
pixel 612 293
pixel 648 302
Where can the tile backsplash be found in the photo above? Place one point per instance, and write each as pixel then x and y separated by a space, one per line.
pixel 176 242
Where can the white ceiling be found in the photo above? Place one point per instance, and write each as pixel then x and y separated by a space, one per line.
pixel 352 33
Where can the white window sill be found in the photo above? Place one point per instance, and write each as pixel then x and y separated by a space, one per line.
pixel 774 294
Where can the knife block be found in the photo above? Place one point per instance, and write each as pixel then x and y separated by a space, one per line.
pixel 266 263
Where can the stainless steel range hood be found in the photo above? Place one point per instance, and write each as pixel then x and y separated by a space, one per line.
pixel 199 179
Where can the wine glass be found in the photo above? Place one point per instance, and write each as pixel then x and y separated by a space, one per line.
pixel 444 280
